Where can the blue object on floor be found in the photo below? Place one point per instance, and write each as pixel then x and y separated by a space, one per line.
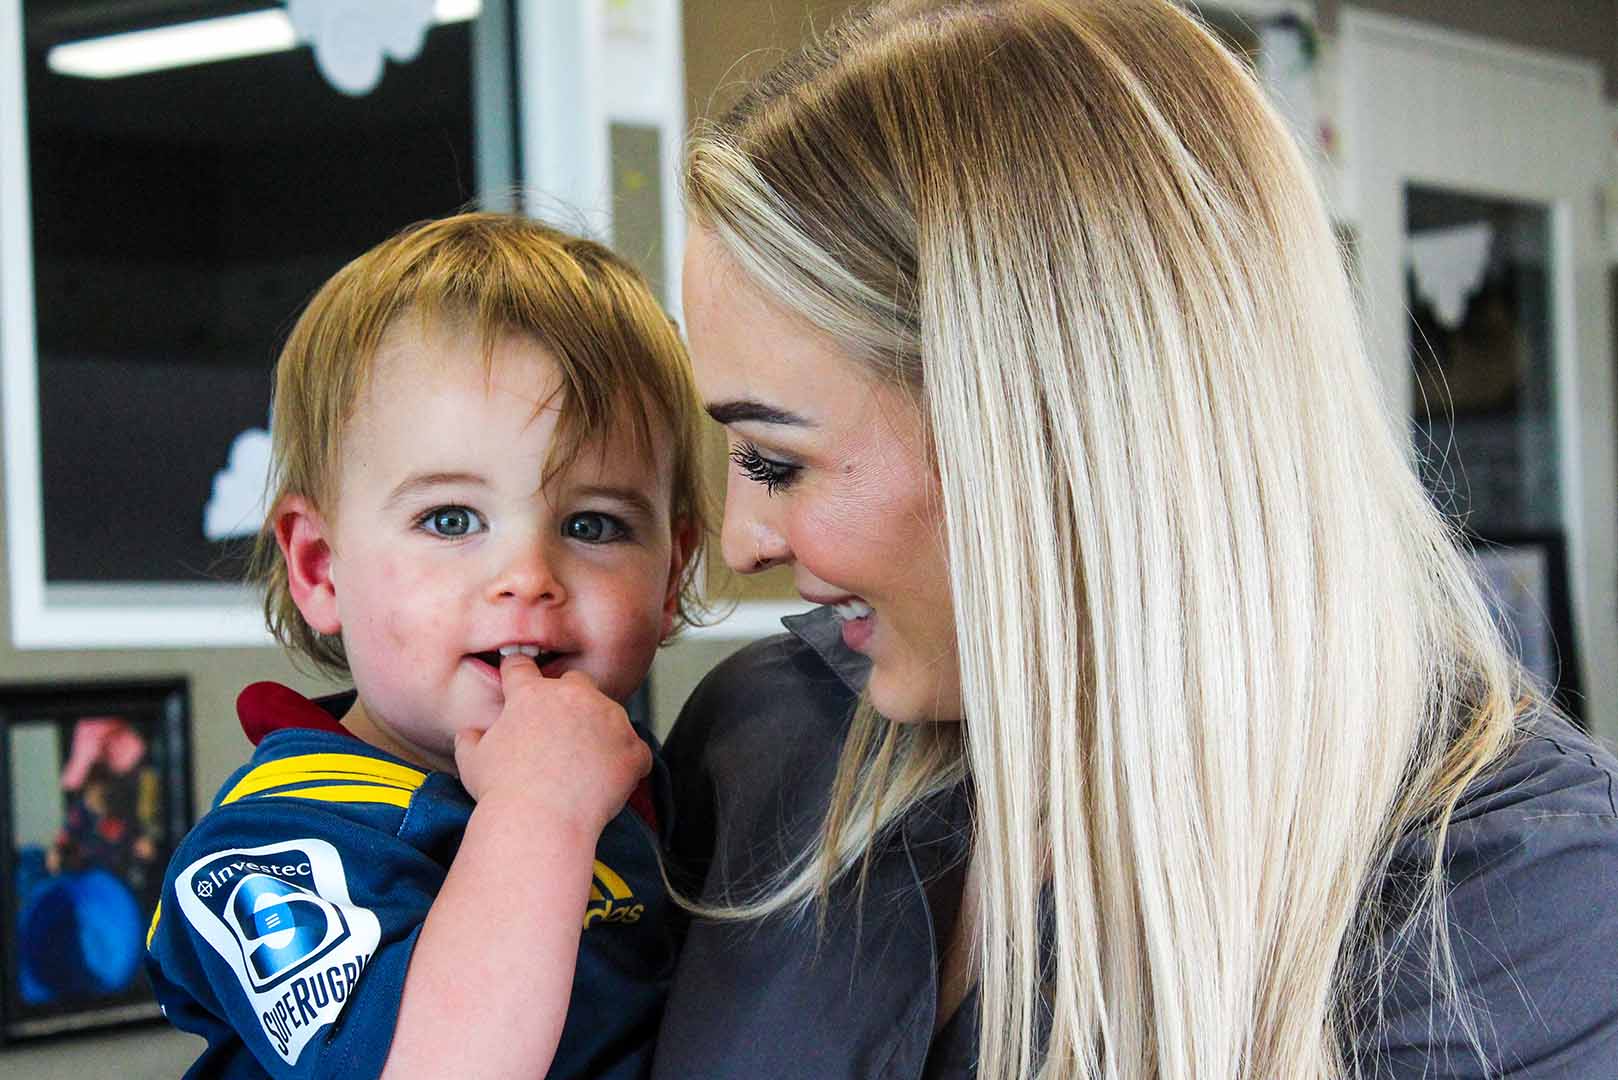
pixel 80 935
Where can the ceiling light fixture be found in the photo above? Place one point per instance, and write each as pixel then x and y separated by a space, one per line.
pixel 229 37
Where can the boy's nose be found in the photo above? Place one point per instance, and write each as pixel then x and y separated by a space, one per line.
pixel 528 578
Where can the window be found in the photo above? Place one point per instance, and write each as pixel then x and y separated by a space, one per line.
pixel 161 229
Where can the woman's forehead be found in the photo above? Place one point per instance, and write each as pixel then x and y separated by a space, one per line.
pixel 743 341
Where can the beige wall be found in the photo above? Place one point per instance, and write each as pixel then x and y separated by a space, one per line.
pixel 729 41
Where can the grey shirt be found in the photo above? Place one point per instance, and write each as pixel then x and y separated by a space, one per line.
pixel 1533 860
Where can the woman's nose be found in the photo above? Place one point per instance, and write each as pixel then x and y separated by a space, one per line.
pixel 527 575
pixel 751 539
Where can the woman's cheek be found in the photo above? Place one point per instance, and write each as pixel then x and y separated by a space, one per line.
pixel 837 533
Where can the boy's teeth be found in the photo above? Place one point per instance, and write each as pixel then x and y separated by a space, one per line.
pixel 526 650
pixel 852 609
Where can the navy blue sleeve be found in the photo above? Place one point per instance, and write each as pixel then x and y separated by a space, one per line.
pixel 283 936
pixel 1532 862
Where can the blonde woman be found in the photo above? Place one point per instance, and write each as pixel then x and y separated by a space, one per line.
pixel 1154 727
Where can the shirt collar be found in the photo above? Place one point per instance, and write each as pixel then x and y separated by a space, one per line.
pixel 822 631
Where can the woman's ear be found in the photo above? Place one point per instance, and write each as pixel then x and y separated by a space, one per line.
pixel 300 532
pixel 685 544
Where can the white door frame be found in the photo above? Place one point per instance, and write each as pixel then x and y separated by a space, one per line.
pixel 1439 107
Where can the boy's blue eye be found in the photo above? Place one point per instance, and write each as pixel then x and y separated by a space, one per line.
pixel 593 528
pixel 453 521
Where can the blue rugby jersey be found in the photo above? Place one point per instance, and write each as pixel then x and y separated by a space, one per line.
pixel 289 912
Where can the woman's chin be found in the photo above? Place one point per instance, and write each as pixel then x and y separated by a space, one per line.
pixel 913 701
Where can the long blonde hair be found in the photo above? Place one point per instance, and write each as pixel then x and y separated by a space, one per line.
pixel 1218 653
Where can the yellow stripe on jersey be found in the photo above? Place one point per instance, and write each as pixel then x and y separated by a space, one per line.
pixel 151 931
pixel 253 784
pixel 350 793
pixel 305 768
pixel 354 763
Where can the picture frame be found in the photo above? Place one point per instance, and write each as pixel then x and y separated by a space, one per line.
pixel 1525 576
pixel 95 793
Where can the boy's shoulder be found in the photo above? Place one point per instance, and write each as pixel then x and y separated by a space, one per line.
pixel 319 860
pixel 314 811
pixel 305 765
pixel 331 770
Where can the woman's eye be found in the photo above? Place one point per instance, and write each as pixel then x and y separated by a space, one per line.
pixel 774 475
pixel 452 521
pixel 594 528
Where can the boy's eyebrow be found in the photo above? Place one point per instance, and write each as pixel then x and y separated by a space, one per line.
pixel 747 410
pixel 633 498
pixel 419 481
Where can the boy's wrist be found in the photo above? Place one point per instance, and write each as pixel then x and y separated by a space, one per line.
pixel 533 814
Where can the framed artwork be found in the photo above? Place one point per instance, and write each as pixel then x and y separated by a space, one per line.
pixel 1527 581
pixel 96 785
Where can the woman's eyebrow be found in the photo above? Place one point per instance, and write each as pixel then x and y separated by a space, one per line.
pixel 756 412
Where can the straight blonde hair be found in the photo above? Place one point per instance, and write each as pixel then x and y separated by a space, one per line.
pixel 1218 652
pixel 620 358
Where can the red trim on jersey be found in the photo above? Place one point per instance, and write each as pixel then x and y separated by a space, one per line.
pixel 268 706
pixel 640 801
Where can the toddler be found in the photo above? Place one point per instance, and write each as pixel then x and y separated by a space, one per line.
pixel 486 506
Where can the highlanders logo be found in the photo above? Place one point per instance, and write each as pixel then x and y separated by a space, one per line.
pixel 281 917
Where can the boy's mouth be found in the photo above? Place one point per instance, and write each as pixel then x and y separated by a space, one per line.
pixel 541 657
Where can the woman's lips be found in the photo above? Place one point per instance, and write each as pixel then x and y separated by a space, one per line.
pixel 857 620
pixel 856 632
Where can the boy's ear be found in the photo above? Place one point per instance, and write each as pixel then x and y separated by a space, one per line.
pixel 685 544
pixel 301 533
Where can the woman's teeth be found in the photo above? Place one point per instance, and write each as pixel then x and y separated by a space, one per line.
pixel 849 610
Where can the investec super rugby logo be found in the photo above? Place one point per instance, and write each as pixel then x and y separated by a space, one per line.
pixel 611 900
pixel 281 917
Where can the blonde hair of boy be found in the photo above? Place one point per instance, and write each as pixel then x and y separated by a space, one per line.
pixel 1218 652
pixel 622 365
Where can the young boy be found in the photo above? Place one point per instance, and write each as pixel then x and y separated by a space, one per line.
pixel 486 506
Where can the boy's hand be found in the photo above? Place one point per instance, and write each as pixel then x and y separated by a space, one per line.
pixel 559 745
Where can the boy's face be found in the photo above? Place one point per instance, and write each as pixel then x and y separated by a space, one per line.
pixel 446 548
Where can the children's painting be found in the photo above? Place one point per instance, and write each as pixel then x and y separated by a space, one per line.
pixel 96 794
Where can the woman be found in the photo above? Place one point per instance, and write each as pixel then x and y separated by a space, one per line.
pixel 1186 746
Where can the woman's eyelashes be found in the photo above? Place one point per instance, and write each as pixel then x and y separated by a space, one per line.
pixel 452 522
pixel 774 475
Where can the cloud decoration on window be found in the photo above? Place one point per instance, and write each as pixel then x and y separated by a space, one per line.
pixel 1449 266
pixel 240 490
pixel 351 38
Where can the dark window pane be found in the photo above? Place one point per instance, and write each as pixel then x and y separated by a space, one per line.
pixel 180 220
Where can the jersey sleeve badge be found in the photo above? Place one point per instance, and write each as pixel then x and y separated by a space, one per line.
pixel 281 917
